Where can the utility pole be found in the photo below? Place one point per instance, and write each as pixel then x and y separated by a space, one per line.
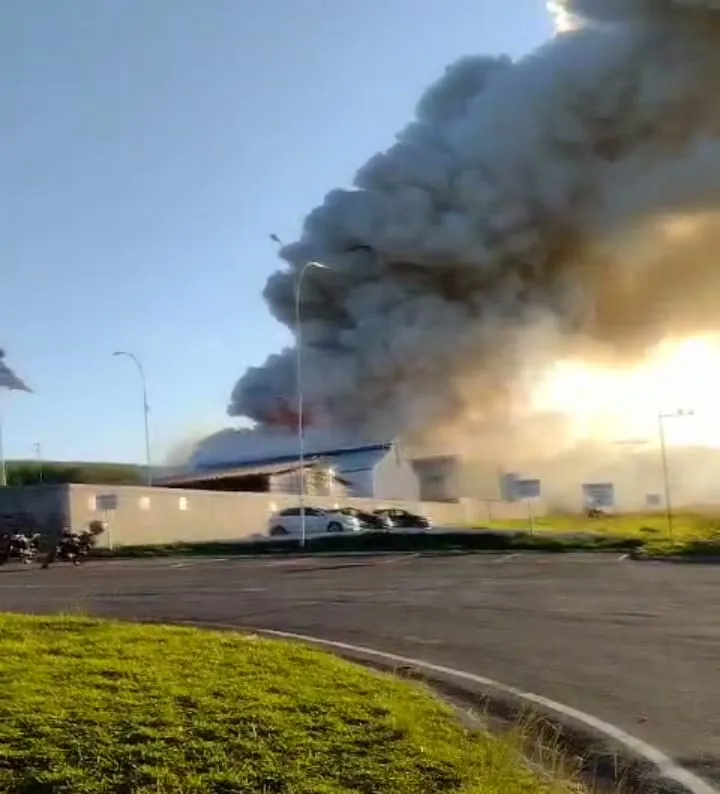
pixel 146 408
pixel 299 386
pixel 664 458
pixel 9 382
pixel 37 446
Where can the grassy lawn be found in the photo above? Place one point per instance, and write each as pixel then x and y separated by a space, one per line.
pixel 95 706
pixel 693 533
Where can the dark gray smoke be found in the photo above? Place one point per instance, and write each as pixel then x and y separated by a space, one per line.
pixel 563 205
pixel 575 13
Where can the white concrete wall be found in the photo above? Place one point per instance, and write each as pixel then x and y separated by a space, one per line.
pixel 170 515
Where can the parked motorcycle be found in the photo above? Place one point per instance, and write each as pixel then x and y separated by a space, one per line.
pixel 74 547
pixel 19 546
pixel 594 512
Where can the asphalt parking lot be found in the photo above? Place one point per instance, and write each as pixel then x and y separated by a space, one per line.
pixel 636 644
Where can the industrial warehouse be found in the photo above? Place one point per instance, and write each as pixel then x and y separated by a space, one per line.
pixel 232 500
pixel 371 471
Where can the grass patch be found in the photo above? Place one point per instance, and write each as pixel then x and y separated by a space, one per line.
pixel 693 535
pixel 94 706
pixel 686 526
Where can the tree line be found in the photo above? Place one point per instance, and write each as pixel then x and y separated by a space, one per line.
pixel 51 473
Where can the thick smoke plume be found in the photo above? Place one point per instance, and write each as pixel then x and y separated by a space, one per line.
pixel 565 205
pixel 635 471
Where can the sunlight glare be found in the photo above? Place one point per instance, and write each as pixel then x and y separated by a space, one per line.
pixel 613 404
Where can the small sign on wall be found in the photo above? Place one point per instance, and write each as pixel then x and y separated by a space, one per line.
pixel 527 489
pixel 106 502
pixel 653 500
pixel 598 494
pixel 514 488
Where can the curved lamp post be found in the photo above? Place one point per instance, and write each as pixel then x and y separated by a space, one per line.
pixel 9 382
pixel 146 409
pixel 299 386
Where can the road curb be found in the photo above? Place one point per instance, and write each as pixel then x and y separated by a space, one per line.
pixel 401 553
pixel 600 765
pixel 619 763
pixel 607 758
pixel 680 560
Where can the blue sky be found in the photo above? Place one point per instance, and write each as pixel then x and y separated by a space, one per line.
pixel 148 149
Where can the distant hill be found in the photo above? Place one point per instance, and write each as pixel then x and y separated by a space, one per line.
pixel 26 472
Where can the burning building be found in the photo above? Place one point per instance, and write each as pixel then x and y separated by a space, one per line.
pixel 560 207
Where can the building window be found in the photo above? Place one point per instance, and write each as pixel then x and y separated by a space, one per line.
pixel 144 502
pixel 183 503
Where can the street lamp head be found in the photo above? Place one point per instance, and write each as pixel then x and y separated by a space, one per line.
pixel 677 413
pixel 313 263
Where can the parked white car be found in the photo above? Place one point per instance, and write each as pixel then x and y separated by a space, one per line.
pixel 317 522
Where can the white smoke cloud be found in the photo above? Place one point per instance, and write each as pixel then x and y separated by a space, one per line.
pixel 562 205
pixel 635 471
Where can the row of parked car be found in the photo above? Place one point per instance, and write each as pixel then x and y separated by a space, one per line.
pixel 319 521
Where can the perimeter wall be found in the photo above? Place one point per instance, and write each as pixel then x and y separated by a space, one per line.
pixel 168 515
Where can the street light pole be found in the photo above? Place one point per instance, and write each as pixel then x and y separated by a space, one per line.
pixel 300 398
pixel 3 464
pixel 666 478
pixel 663 454
pixel 146 409
pixel 38 455
pixel 9 382
pixel 299 385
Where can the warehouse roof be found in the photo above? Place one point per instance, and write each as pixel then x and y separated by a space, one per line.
pixel 249 470
pixel 291 460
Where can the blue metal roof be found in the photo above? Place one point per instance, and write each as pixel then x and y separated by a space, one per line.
pixel 314 455
pixel 207 475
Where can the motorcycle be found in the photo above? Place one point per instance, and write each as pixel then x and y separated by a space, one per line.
pixel 74 547
pixel 594 512
pixel 19 546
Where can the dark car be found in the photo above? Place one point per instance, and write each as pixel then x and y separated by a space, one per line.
pixel 368 520
pixel 404 519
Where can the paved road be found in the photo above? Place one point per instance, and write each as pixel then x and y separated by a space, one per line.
pixel 637 645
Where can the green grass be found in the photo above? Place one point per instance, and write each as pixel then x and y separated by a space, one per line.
pixel 686 526
pixel 93 706
pixel 693 534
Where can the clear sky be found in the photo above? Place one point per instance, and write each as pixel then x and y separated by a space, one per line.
pixel 148 148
